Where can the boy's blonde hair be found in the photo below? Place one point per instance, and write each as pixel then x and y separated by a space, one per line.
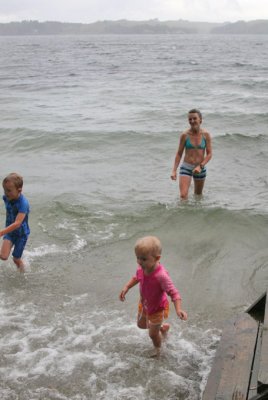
pixel 14 178
pixel 150 245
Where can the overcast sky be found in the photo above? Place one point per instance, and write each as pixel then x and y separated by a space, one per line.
pixel 87 11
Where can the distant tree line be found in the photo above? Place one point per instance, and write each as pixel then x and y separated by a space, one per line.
pixel 153 26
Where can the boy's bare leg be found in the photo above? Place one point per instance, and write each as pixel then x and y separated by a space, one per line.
pixel 19 263
pixel 5 249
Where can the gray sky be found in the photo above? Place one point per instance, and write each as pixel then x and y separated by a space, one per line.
pixel 87 11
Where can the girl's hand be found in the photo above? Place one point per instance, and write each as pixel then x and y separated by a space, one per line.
pixel 122 295
pixel 182 315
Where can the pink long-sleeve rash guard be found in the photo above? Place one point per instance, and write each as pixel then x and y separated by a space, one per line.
pixel 154 289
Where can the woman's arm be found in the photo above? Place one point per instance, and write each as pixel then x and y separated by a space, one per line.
pixel 178 156
pixel 208 150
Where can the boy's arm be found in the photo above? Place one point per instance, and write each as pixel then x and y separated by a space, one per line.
pixel 133 281
pixel 180 313
pixel 12 227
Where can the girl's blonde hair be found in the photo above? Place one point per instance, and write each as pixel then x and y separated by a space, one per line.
pixel 149 244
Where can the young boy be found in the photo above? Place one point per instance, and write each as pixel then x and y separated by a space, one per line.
pixel 17 211
pixel 155 284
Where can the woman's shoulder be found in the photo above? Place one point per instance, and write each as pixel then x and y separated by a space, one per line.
pixel 206 134
pixel 184 135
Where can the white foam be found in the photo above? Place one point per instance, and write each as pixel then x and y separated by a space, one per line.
pixel 47 249
pixel 103 213
pixel 42 251
pixel 108 232
pixel 78 244
pixel 96 353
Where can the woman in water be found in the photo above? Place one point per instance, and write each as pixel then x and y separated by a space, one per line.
pixel 196 143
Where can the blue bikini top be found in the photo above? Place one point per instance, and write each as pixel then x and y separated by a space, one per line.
pixel 189 145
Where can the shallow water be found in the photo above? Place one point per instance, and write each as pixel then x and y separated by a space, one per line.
pixel 92 123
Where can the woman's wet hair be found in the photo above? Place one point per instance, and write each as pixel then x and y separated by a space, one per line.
pixel 195 111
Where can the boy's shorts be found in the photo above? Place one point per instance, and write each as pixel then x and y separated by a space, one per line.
pixel 18 242
pixel 156 318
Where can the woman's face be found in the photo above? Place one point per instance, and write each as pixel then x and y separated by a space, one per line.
pixel 194 120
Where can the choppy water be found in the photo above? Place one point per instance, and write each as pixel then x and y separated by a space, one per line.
pixel 92 123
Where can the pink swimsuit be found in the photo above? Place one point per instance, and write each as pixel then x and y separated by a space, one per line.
pixel 154 289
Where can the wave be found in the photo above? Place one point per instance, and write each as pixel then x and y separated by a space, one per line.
pixel 89 349
pixel 90 223
pixel 217 257
pixel 224 251
pixel 45 250
pixel 240 137
pixel 27 140
pixel 242 115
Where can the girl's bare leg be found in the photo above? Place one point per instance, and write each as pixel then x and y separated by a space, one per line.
pixel 164 330
pixel 142 322
pixel 156 336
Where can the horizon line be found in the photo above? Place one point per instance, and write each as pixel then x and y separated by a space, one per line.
pixel 135 20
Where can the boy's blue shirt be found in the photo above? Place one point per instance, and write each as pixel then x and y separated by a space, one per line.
pixel 13 208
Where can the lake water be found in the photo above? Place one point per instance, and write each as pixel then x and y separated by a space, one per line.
pixel 92 123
